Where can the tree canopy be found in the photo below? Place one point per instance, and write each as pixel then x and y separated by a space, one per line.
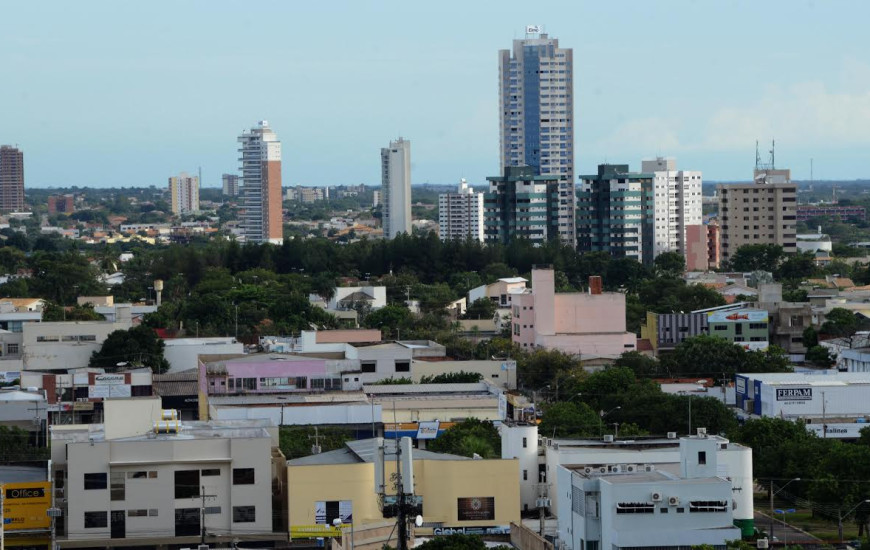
pixel 467 438
pixel 139 345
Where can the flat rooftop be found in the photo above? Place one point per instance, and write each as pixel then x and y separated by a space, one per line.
pixel 223 429
pixel 810 379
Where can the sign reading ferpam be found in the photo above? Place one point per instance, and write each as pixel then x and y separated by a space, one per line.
pixel 794 394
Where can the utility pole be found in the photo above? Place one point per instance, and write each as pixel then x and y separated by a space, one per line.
pixel 203 496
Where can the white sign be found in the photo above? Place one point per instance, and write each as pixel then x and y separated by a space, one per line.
pixel 6 377
pixel 108 379
pixel 850 430
pixel 428 430
pixel 509 365
pixel 740 384
pixel 533 29
pixel 122 390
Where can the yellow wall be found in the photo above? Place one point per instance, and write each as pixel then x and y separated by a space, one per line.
pixel 649 330
pixel 439 482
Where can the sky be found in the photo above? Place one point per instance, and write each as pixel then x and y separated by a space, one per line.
pixel 107 93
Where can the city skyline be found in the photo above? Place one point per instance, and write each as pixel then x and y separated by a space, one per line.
pixel 650 80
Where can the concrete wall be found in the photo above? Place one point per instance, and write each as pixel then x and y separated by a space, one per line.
pixel 491 370
pixel 65 344
pixel 182 353
pixel 525 539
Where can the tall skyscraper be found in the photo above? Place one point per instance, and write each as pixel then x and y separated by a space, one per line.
pixel 536 112
pixel 520 204
pixel 230 185
pixel 261 184
pixel 396 187
pixel 460 214
pixel 677 205
pixel 614 213
pixel 11 179
pixel 184 192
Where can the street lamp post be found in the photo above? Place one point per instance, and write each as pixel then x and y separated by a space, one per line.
pixel 785 531
pixel 773 494
pixel 602 415
pixel 841 515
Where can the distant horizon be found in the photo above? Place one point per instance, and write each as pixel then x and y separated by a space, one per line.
pixel 105 93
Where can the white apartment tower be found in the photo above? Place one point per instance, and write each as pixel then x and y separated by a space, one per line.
pixel 396 187
pixel 536 114
pixel 676 203
pixel 184 191
pixel 460 214
pixel 260 158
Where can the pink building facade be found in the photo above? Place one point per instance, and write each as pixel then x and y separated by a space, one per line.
pixel 245 376
pixel 589 325
pixel 696 248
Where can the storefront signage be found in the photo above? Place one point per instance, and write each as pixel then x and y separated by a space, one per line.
pixel 428 430
pixel 497 530
pixel 475 509
pixel 26 506
pixel 794 394
pixel 108 379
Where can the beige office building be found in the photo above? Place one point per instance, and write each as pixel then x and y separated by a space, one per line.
pixel 184 192
pixel 763 212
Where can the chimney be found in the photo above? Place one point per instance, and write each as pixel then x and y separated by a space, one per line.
pixel 595 284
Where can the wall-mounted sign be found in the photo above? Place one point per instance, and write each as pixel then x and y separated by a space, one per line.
pixel 794 394
pixel 110 390
pixel 739 316
pixel 475 508
pixel 428 430
pixel 26 506
pixel 108 379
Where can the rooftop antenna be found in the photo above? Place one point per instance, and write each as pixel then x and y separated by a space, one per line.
pixel 772 154
pixel 811 172
pixel 757 156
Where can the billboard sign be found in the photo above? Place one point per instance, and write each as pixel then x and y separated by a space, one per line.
pixel 109 390
pixel 740 384
pixel 737 316
pixel 108 379
pixel 25 505
pixel 794 394
pixel 428 430
pixel 314 531
pixel 475 509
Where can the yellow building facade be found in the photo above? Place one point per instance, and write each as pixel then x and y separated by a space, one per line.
pixel 456 492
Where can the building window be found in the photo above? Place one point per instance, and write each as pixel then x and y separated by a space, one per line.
pixel 680 510
pixel 525 475
pixel 635 508
pixel 95 481
pixel 96 520
pixel 11 349
pixel 758 326
pixel 702 457
pixel 117 486
pixel 186 483
pixel 368 366
pixel 142 513
pixel 525 443
pixel 210 472
pixel 244 514
pixel 243 476
pixel 720 327
pixel 403 366
pixel 186 522
pixel 663 510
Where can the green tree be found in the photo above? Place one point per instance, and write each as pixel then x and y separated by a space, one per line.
pixel 139 345
pixel 639 363
pixel 810 337
pixel 298 441
pixel 842 323
pixel 704 355
pixel 54 312
pixel 457 542
pixel 467 438
pixel 820 355
pixel 757 257
pixel 482 308
pixel 388 319
pixel 670 264
pixel 569 419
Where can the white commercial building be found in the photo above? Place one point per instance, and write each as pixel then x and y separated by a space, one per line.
pixel 676 203
pixel 536 115
pixel 182 353
pixel 64 345
pixel 140 480
pixel 460 214
pixel 645 507
pixel 184 194
pixel 541 458
pixel 833 404
pixel 396 187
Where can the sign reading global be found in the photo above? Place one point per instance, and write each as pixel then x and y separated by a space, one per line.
pixel 794 394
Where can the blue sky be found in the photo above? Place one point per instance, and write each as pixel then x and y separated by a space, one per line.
pixel 129 93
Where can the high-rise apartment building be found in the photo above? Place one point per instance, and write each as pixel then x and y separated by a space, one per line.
pixel 615 213
pixel 11 179
pixel 260 160
pixel 520 204
pixel 536 114
pixel 396 187
pixel 763 212
pixel 230 185
pixel 61 204
pixel 184 193
pixel 676 205
pixel 460 214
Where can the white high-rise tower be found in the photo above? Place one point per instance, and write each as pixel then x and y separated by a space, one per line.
pixel 396 187
pixel 261 184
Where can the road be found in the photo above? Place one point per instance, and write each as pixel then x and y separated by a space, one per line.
pixel 783 531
